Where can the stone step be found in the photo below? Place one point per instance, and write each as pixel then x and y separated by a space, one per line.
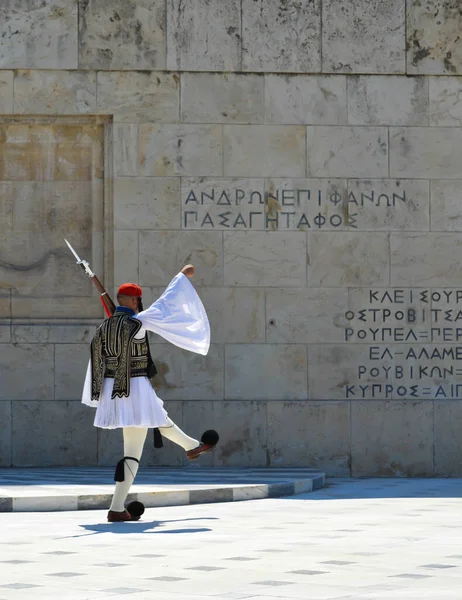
pixel 80 488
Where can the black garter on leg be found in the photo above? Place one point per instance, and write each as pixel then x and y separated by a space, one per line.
pixel 119 474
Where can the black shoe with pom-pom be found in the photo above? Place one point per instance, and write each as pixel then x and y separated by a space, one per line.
pixel 209 441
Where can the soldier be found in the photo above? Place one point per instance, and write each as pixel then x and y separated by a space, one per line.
pixel 120 368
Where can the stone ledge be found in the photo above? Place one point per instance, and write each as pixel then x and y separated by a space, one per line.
pixel 57 489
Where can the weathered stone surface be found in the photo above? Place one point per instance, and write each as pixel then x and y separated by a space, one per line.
pixel 237 424
pixel 184 375
pixel 6 92
pixel 54 92
pixel 347 151
pixel 35 359
pixel 305 99
pixel 345 259
pixel 194 150
pixel 122 34
pixel 137 97
pixel 147 203
pixel 425 152
pixel 71 362
pixel 5 331
pixel 204 36
pixel 392 438
pixel 448 449
pixel 38 35
pixel 433 37
pixel 265 372
pixel 125 257
pixel 265 259
pixel 222 203
pixel 237 315
pixel 31 331
pixel 425 260
pixel 164 253
pixel 222 98
pixel 125 150
pixel 281 36
pixel 65 434
pixel 446 205
pixel 388 204
pixel 331 367
pixel 363 36
pixel 387 100
pixel 276 151
pixel 306 316
pixel 5 438
pixel 446 101
pixel 313 426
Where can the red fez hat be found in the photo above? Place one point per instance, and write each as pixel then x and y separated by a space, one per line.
pixel 130 289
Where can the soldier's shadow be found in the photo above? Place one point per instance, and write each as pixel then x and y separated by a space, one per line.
pixel 149 527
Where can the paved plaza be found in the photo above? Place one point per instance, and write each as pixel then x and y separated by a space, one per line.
pixel 392 539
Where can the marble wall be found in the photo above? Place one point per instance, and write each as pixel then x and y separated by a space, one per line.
pixel 305 156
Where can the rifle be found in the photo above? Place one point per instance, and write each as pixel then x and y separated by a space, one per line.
pixel 108 304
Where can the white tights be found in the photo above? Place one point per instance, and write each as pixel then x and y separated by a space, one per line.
pixel 134 438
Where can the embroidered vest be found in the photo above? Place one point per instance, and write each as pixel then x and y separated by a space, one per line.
pixel 115 353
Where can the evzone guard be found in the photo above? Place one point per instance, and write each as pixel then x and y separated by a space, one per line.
pixel 118 377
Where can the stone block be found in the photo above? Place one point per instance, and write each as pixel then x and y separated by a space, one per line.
pixel 306 316
pixel 448 447
pixel 38 35
pixel 223 204
pixel 332 367
pixel 310 434
pixel 243 435
pixel 363 36
pixel 346 259
pixel 204 36
pixel 126 252
pixel 54 92
pixel 5 331
pixel 222 98
pixel 425 259
pixel 236 315
pixel 167 150
pixel 305 99
pixel 387 100
pixel 71 362
pixel 147 203
pixel 37 360
pixel 6 92
pixel 164 253
pixel 347 151
pixel 30 331
pixel 445 101
pixel 306 204
pixel 137 97
pixel 110 444
pixel 184 375
pixel 5 438
pixel 264 150
pixel 281 36
pixel 389 204
pixel 63 434
pixel 261 259
pixel 392 439
pixel 125 149
pixel 265 372
pixel 425 152
pixel 446 205
pixel 124 34
pixel 433 37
